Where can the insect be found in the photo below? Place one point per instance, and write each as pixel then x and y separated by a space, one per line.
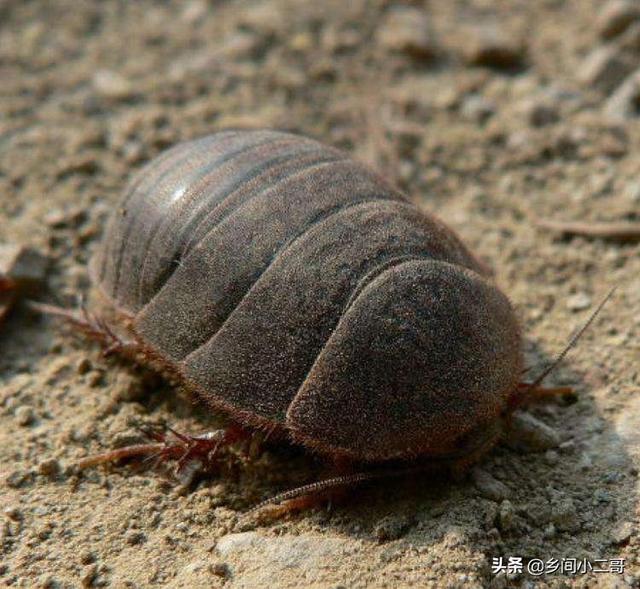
pixel 295 290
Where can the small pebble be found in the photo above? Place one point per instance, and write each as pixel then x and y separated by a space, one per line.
pixel 488 486
pixel 565 516
pixel 95 378
pixel 48 581
pixel 86 164
pixel 567 447
pixel 392 527
pixel 585 463
pixel 407 29
pixel 530 434
pixel 89 575
pixel 616 16
pixel 24 415
pixel 579 302
pixel 59 218
pixel 134 537
pixel 112 85
pixel 539 113
pixel 87 557
pixel 623 534
pixel 13 513
pixel 630 39
pixel 624 103
pixel 221 569
pixel 16 478
pixel 499 581
pixel 194 11
pixel 477 108
pixel 50 468
pixel 84 366
pixel 604 69
pixel 26 266
pixel 506 515
pixel 495 47
pixel 127 388
pixel 261 18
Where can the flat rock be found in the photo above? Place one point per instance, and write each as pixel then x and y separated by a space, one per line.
pixel 258 559
pixel 627 428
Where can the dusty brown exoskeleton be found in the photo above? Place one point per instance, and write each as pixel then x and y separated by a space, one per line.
pixel 295 290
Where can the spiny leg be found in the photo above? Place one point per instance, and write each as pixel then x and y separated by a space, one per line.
pixel 93 327
pixel 192 454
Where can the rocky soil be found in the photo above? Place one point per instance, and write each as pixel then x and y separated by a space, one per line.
pixel 495 115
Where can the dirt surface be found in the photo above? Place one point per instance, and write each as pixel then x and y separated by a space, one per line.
pixel 494 115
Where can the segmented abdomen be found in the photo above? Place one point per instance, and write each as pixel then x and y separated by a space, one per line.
pixel 238 254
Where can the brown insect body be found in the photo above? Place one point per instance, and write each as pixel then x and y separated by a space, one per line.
pixel 294 288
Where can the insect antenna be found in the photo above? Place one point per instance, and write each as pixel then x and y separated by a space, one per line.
pixel 330 483
pixel 484 441
pixel 526 390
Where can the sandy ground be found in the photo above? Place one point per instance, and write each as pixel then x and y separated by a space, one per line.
pixel 492 114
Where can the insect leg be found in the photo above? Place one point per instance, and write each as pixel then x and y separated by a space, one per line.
pixel 93 327
pixel 192 454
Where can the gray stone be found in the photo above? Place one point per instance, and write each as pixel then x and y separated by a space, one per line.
pixel 623 534
pixel 24 415
pixel 539 111
pixel 530 434
pixel 564 515
pixel 494 46
pixel 25 266
pixel 506 516
pixel 392 527
pixel 605 68
pixel 579 302
pixel 112 85
pixel 616 16
pixel 256 559
pixel 629 41
pixel 488 486
pixel 624 103
pixel 477 108
pixel 627 428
